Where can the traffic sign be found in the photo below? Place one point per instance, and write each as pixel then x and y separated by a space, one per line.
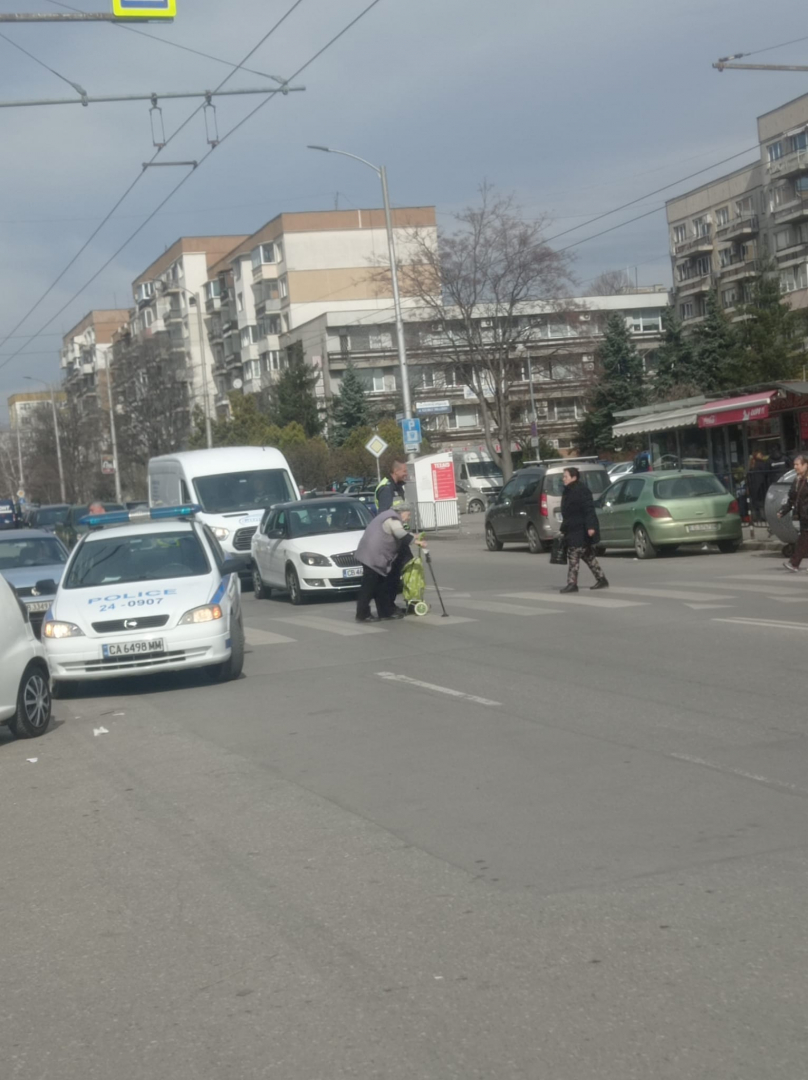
pixel 144 9
pixel 376 446
pixel 21 493
pixel 411 430
pixel 107 467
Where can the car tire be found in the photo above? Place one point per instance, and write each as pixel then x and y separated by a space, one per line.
pixel 668 550
pixel 643 545
pixel 61 691
pixel 232 667
pixel 33 714
pixel 262 591
pixel 491 541
pixel 533 540
pixel 475 506
pixel 729 547
pixel 296 595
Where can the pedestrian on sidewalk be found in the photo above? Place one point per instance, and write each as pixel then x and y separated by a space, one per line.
pixel 797 504
pixel 579 526
pixel 384 543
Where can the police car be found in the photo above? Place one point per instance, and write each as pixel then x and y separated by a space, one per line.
pixel 145 591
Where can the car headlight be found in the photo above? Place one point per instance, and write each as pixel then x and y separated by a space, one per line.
pixel 310 558
pixel 206 613
pixel 61 630
pixel 219 532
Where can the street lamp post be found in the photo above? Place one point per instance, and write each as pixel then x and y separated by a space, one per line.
pixel 30 378
pixel 19 453
pixel 381 172
pixel 113 434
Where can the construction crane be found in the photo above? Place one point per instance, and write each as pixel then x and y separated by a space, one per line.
pixel 728 63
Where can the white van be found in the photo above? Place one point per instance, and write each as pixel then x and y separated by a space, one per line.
pixel 477 477
pixel 234 485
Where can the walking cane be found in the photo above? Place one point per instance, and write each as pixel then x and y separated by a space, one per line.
pixel 428 558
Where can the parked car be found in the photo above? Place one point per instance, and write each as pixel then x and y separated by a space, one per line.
pixel 471 500
pixel 367 499
pixel 618 469
pixel 48 517
pixel 69 530
pixel 658 511
pixel 25 698
pixel 528 509
pixel 309 547
pixel 32 562
pixel 783 528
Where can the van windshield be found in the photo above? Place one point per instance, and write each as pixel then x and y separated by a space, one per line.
pixel 484 468
pixel 229 493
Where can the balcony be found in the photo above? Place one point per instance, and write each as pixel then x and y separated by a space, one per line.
pixel 793 211
pixel 265 272
pixel 213 303
pixel 737 269
pixel 694 286
pixel 173 314
pixel 790 165
pixel 739 227
pixel 267 307
pixel 698 245
pixel 790 256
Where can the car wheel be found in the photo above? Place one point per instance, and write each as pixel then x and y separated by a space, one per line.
pixel 642 544
pixel 293 587
pixel 476 506
pixel 262 591
pixel 729 547
pixel 668 549
pixel 491 541
pixel 533 539
pixel 232 667
pixel 33 703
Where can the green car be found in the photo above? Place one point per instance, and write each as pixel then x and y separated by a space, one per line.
pixel 657 511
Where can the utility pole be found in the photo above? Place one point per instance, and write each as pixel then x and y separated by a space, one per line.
pixel 113 435
pixel 19 454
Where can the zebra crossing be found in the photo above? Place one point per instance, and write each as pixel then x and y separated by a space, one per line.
pixel 733 600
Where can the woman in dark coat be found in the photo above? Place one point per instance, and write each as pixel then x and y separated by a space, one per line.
pixel 797 504
pixel 579 524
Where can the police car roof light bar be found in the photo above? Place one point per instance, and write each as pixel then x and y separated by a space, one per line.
pixel 137 517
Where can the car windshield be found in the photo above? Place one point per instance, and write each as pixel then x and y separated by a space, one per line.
pixel 120 560
pixel 51 515
pixel 38 551
pixel 484 468
pixel 688 487
pixel 228 493
pixel 327 518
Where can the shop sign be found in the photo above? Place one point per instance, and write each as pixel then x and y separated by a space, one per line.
pixel 733 416
pixel 803 428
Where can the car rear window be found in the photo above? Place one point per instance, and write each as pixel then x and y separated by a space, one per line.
pixel 145 557
pixel 597 480
pixel 688 487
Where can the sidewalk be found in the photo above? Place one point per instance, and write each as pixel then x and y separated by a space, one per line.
pixel 758 538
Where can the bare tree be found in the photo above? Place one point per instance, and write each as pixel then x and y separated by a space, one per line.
pixel 9 466
pixel 473 286
pixel 610 283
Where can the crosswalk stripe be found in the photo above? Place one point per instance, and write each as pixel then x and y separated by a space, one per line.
pixel 667 594
pixel 707 607
pixel 777 576
pixel 776 590
pixel 765 623
pixel 502 609
pixel 435 618
pixel 330 626
pixel 575 598
pixel 265 637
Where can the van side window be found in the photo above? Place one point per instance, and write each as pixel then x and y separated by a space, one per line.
pixel 185 497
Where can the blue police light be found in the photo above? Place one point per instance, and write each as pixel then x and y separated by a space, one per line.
pixel 137 517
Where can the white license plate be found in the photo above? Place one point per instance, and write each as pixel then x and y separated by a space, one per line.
pixel 353 571
pixel 706 526
pixel 559 515
pixel 40 605
pixel 134 648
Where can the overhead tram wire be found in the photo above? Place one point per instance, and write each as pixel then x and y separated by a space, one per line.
pixel 79 90
pixel 271 94
pixel 139 177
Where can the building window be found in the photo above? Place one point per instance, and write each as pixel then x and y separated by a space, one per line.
pixel 148 317
pixel 729 298
pixel 264 253
pixel 702 266
pixel 686 310
pixel 701 226
pixel 213 289
pixel 252 369
pixel 799 142
pixel 646 322
pixel 564 370
pixel 220 387
pixel 382 339
pixel 563 409
pixel 237 269
pixel 239 301
pixel 793 278
pixel 743 207
pixel 269 326
pixel 271 360
pixel 775 151
pixel 249 336
pixel 780 194
pixel 725 257
pixel 679 234
pixel 722 216
pixel 283 286
pixel 464 416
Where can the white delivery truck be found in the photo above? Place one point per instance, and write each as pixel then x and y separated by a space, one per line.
pixel 477 477
pixel 234 485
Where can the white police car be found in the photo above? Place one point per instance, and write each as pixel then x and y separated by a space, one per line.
pixel 145 591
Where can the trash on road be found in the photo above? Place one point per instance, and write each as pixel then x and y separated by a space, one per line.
pixel 100 731
pixel 33 760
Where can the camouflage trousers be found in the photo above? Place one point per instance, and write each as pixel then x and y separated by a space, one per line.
pixel 574 557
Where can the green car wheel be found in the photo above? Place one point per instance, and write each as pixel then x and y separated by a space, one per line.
pixel 643 544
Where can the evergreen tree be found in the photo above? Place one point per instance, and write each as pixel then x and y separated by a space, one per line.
pixel 350 408
pixel 676 375
pixel 768 332
pixel 292 397
pixel 619 387
pixel 715 341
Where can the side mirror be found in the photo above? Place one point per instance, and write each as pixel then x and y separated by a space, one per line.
pixel 46 587
pixel 275 534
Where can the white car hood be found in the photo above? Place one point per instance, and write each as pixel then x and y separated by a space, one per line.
pixel 326 544
pixel 170 596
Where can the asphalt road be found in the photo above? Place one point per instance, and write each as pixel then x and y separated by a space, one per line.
pixel 547 838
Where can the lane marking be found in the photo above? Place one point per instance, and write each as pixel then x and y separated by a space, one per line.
pixel 265 637
pixel 771 623
pixel 777 573
pixel 783 784
pixel 574 598
pixel 667 594
pixel 392 677
pixel 708 607
pixel 790 599
pixel 774 591
pixel 503 609
pixel 330 626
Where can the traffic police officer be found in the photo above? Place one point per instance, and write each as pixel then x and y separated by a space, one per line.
pixel 389 495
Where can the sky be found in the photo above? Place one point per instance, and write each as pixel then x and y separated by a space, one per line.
pixel 575 107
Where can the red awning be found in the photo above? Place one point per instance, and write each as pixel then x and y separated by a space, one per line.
pixel 736 410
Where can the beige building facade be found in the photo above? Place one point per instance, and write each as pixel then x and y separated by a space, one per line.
pixel 86 350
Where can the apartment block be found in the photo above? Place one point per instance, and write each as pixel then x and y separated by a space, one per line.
pixel 560 352
pixel 22 408
pixel 721 231
pixel 85 352
pixel 294 269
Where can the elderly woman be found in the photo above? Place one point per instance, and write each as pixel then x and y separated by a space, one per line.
pixel 579 525
pixel 797 503
pixel 382 541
